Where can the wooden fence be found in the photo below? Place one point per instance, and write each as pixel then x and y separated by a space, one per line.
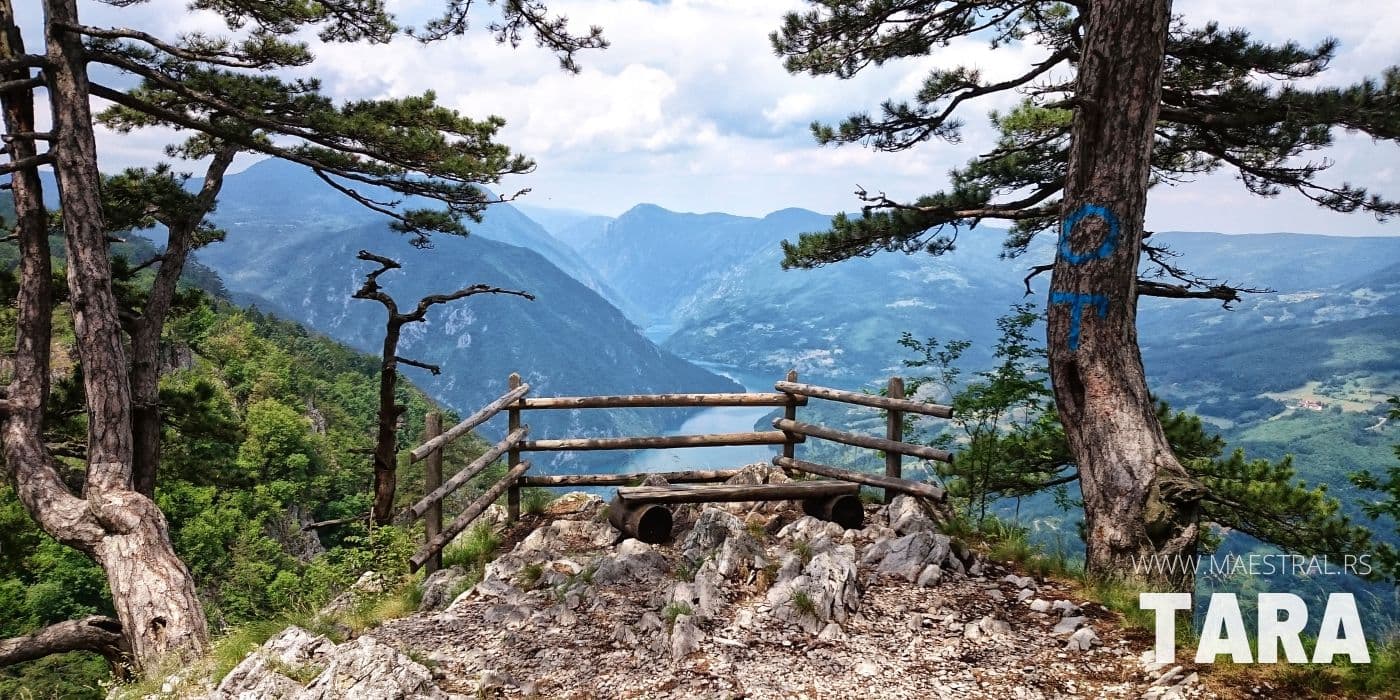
pixel 788 432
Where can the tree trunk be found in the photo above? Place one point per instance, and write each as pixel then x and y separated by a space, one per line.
pixel 386 441
pixel 146 334
pixel 122 530
pixel 1140 506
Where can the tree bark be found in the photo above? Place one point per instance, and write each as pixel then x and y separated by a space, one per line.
pixel 1140 506
pixel 99 634
pixel 386 463
pixel 124 531
pixel 146 333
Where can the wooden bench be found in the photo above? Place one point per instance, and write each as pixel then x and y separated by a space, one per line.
pixel 642 512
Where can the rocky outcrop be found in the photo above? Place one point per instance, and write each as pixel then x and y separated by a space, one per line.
pixel 825 590
pixel 440 588
pixel 297 665
pixel 737 605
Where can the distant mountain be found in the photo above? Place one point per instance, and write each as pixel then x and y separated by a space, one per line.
pixel 586 232
pixel 553 219
pixel 658 258
pixel 714 283
pixel 300 261
pixel 290 198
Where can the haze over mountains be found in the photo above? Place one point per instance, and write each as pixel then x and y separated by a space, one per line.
pixel 709 288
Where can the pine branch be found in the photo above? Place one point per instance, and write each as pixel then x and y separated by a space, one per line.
pixel 22 84
pixel 208 55
pixel 26 163
pixel 433 369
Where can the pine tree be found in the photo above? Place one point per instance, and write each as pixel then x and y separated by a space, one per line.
pixel 226 93
pixel 1126 97
pixel 1012 445
pixel 1386 562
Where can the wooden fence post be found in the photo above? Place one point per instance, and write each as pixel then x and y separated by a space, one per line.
pixel 894 430
pixel 513 456
pixel 790 413
pixel 432 479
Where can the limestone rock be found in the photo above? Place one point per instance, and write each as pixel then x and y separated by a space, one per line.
pixel 634 561
pixel 368 669
pixel 826 590
pixel 711 529
pixel 1083 639
pixel 908 555
pixel 906 516
pixel 757 473
pixel 575 503
pixel 685 638
pixel 262 674
pixel 439 587
pixel 1067 625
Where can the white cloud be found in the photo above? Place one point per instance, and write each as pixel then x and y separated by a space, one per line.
pixel 690 109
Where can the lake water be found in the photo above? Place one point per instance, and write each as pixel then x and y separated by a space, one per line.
pixel 713 420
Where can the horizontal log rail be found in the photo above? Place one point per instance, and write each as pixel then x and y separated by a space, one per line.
pixel 662 401
pixel 685 477
pixel 871 400
pixel 658 442
pixel 791 491
pixel 422 451
pixel 913 488
pixel 477 465
pixel 858 440
pixel 472 512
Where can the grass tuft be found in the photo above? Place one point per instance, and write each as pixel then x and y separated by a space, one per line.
pixel 534 501
pixel 530 574
pixel 674 610
pixel 802 603
pixel 803 550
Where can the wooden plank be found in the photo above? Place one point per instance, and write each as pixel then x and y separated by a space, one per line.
pixel 719 493
pixel 472 512
pixel 685 477
pixel 417 510
pixel 821 392
pixel 470 422
pixel 913 488
pixel 894 432
pixel 857 440
pixel 432 479
pixel 662 401
pixel 656 442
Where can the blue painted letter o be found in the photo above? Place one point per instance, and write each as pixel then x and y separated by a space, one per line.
pixel 1105 248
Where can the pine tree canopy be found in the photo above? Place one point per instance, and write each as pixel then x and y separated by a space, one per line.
pixel 1229 102
pixel 379 152
pixel 1011 444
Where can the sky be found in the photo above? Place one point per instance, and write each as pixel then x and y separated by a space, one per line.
pixel 691 110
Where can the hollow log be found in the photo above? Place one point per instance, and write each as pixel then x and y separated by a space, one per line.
pixel 913 488
pixel 648 522
pixel 843 509
pixel 821 392
pixel 656 442
pixel 472 512
pixel 683 477
pixel 721 493
pixel 662 401
pixel 477 465
pixel 475 419
pixel 858 440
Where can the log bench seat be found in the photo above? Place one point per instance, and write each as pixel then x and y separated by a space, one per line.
pixel 642 512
